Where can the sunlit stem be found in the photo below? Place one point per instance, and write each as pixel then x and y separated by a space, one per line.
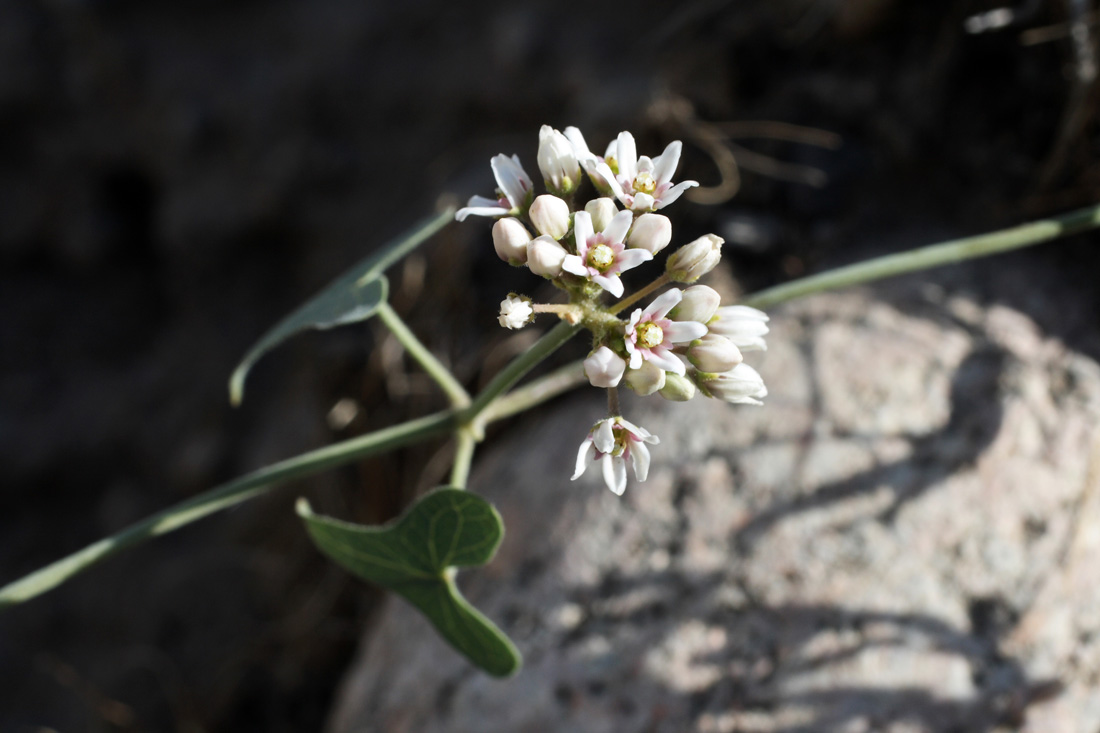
pixel 465 443
pixel 636 296
pixel 936 255
pixel 613 409
pixel 571 314
pixel 435 369
pixel 225 496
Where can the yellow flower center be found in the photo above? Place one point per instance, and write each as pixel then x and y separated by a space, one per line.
pixel 650 335
pixel 601 257
pixel 644 183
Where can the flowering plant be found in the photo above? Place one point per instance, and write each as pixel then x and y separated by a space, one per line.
pixel 683 342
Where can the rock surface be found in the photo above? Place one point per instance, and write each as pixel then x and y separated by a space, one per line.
pixel 900 540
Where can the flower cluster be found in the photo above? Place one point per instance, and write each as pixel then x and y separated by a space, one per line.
pixel 684 341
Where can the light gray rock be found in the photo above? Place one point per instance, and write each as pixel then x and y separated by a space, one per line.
pixel 900 540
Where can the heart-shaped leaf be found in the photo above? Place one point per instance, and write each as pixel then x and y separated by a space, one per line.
pixel 416 556
pixel 352 297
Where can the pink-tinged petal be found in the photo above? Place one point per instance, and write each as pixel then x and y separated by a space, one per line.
pixel 619 225
pixel 604 438
pixel 511 178
pixel 665 164
pixel 584 458
pixel 642 202
pixel 627 156
pixel 634 318
pixel 610 283
pixel 582 231
pixel 574 265
pixel 667 361
pixel 604 171
pixel 639 456
pixel 631 258
pixel 680 331
pixel 614 473
pixel 662 304
pixel 675 192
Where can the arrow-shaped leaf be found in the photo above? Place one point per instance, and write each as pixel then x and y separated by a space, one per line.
pixel 354 296
pixel 416 556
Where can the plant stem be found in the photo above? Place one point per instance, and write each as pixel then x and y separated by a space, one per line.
pixel 465 443
pixel 638 295
pixel 455 392
pixel 540 390
pixel 512 373
pixel 935 255
pixel 224 496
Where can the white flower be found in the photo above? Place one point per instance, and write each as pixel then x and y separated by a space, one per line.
pixel 742 325
pixel 641 184
pixel 590 161
pixel 695 259
pixel 510 240
pixel 714 353
pixel 650 334
pixel 515 311
pixel 561 172
pixel 646 379
pixel 742 385
pixel 514 191
pixel 602 211
pixel 544 256
pixel 550 215
pixel 604 368
pixel 677 388
pixel 651 232
pixel 699 303
pixel 611 442
pixel 602 256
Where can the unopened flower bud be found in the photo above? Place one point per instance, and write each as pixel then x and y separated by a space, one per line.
pixel 602 211
pixel 544 256
pixel 651 232
pixel 510 239
pixel 604 368
pixel 677 388
pixel 714 353
pixel 699 303
pixel 515 311
pixel 742 385
pixel 646 379
pixel 550 215
pixel 695 259
pixel 742 325
pixel 561 171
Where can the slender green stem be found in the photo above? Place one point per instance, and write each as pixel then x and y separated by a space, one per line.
pixel 557 382
pixel 224 496
pixel 455 392
pixel 509 375
pixel 638 295
pixel 465 443
pixel 935 255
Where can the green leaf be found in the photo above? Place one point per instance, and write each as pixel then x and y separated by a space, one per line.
pixel 416 556
pixel 352 297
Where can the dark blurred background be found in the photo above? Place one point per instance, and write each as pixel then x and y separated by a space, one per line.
pixel 176 177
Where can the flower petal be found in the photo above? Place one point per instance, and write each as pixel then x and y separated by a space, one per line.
pixel 619 225
pixel 681 331
pixel 610 283
pixel 575 265
pixel 604 437
pixel 481 206
pixel 627 157
pixel 674 193
pixel 604 171
pixel 662 304
pixel 614 473
pixel 667 361
pixel 639 456
pixel 512 179
pixel 642 202
pixel 582 231
pixel 580 147
pixel 584 458
pixel 665 164
pixel 630 258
